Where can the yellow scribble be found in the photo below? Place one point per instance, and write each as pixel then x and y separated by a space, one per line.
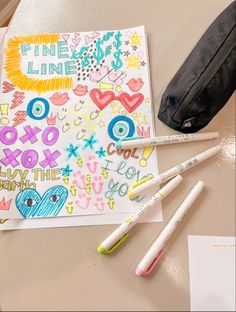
pixel 135 39
pixel 133 61
pixel 22 81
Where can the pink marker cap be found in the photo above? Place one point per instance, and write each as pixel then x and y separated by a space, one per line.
pixel 139 272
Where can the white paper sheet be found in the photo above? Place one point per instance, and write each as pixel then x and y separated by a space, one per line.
pixel 155 214
pixel 212 273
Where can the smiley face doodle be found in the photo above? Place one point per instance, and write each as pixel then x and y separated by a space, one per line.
pixel 31 204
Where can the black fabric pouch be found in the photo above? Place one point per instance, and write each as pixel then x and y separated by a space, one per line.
pixel 206 80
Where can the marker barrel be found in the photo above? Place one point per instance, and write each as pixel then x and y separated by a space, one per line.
pixel 168 139
pixel 130 222
pixel 158 245
pixel 187 164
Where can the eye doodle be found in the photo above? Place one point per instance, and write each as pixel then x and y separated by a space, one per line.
pixel 54 198
pixel 38 108
pixel 121 127
pixel 30 202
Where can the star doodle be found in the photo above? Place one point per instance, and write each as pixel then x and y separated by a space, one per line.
pixel 135 39
pixel 101 152
pixel 142 63
pixel 90 142
pixel 140 53
pixel 126 53
pixel 133 61
pixel 72 151
pixel 127 42
pixel 140 118
pixel 66 171
pixel 128 33
pixel 117 109
pixel 135 47
pixel 101 123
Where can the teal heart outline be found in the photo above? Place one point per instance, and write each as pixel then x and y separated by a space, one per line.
pixel 30 204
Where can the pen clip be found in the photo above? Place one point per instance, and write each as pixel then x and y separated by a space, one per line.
pixel 118 144
pixel 131 193
pixel 112 248
pixel 152 266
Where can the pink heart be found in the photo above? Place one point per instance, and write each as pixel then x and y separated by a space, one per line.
pixel 65 36
pixel 88 39
pixel 73 47
pixel 96 76
pixel 102 99
pixel 117 77
pixel 96 34
pixel 131 102
pixel 76 41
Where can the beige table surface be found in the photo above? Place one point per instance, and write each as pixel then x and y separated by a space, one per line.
pixel 59 269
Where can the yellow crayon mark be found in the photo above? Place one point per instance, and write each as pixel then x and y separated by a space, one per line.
pixel 4 109
pixel 135 39
pixel 146 154
pixel 22 81
pixel 133 61
pixel 4 121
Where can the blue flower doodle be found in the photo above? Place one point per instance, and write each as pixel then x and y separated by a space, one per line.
pixel 31 204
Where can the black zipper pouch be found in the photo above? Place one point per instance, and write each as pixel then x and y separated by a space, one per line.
pixel 206 80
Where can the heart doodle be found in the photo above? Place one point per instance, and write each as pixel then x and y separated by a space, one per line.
pixel 99 75
pixel 31 204
pixel 117 77
pixel 76 41
pixel 65 37
pixel 88 39
pixel 102 99
pixel 73 47
pixel 96 34
pixel 131 102
pixel 135 84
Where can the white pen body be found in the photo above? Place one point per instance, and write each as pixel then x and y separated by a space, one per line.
pixel 187 164
pixel 169 139
pixel 130 222
pixel 158 245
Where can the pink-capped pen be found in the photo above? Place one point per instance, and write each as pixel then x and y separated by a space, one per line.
pixel 154 254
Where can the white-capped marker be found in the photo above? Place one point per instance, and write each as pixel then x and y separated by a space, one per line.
pixel 121 233
pixel 135 142
pixel 155 252
pixel 142 185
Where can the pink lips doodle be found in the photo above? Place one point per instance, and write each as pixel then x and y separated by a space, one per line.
pixel 80 90
pixel 59 98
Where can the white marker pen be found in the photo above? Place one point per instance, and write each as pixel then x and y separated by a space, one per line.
pixel 154 253
pixel 139 187
pixel 121 233
pixel 162 140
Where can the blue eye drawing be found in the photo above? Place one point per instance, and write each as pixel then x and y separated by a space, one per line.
pixel 121 127
pixel 38 108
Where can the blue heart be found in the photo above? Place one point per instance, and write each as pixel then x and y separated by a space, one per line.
pixel 31 204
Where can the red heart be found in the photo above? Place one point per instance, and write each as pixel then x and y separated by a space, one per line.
pixel 102 99
pixel 131 102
